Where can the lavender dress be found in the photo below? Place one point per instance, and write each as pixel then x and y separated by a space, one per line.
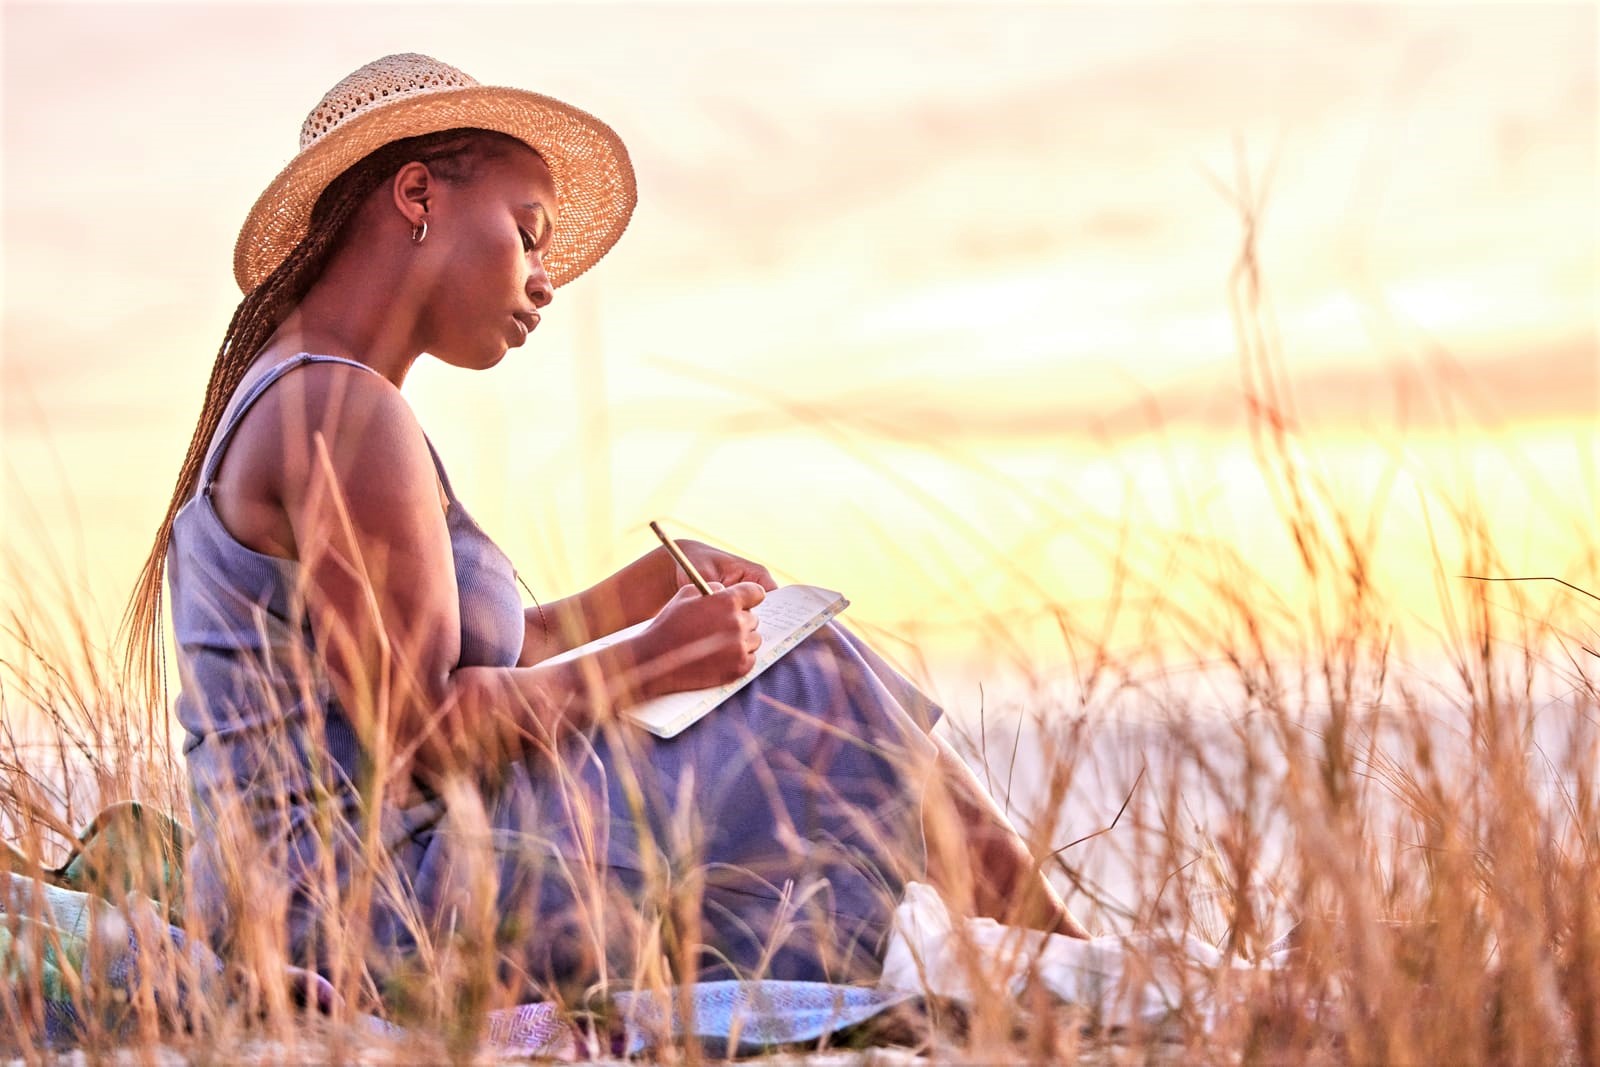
pixel 782 816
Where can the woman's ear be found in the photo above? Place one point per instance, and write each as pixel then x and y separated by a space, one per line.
pixel 412 189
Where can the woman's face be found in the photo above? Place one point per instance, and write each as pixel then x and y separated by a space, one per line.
pixel 488 236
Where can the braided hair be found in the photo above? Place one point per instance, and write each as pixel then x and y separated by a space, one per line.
pixel 454 156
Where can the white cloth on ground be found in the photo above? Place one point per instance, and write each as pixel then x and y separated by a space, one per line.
pixel 1131 980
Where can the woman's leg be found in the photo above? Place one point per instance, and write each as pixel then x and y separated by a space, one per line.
pixel 976 856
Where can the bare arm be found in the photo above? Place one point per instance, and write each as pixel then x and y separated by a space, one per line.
pixel 361 494
pixel 631 595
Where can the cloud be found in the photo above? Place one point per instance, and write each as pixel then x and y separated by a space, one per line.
pixel 1547 381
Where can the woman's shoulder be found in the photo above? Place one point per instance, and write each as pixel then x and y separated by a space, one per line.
pixel 335 398
pixel 318 411
pixel 295 423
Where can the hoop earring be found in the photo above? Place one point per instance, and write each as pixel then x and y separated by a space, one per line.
pixel 419 233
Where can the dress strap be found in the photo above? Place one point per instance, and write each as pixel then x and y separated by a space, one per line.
pixel 444 479
pixel 219 444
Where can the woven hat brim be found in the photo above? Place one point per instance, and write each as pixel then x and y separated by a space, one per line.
pixel 593 175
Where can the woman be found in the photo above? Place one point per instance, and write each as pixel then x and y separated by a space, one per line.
pixel 382 765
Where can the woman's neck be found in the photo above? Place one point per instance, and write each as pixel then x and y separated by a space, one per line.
pixel 304 330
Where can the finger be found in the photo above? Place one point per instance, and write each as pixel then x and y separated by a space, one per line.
pixel 748 594
pixel 748 625
pixel 745 571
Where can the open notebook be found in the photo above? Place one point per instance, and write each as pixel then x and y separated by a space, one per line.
pixel 786 616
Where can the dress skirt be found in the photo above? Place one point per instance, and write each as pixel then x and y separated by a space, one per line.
pixel 772 839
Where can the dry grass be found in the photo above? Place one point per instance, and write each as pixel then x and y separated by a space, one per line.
pixel 1431 838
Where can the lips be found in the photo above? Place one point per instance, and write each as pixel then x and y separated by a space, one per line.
pixel 526 321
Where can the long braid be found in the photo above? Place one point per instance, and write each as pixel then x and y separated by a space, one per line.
pixel 453 156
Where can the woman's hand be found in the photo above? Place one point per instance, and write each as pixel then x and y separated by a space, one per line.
pixel 634 594
pixel 716 565
pixel 698 641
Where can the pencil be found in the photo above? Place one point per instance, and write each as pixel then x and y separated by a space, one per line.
pixel 683 561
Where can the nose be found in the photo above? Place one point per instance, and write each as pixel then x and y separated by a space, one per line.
pixel 540 289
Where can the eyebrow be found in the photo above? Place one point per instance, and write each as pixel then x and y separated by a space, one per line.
pixel 538 209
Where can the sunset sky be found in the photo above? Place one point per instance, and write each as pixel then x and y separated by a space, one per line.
pixel 925 303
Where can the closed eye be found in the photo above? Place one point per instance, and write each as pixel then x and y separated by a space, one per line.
pixel 538 237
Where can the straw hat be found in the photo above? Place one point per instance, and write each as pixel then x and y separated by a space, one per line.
pixel 408 95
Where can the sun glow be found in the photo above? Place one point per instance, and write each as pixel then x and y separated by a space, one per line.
pixel 949 331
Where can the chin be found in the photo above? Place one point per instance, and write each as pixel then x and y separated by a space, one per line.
pixel 478 357
pixel 479 353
